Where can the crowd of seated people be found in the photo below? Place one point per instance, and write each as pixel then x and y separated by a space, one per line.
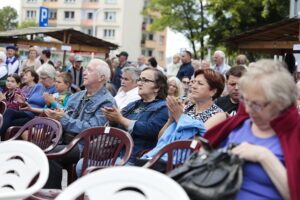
pixel 150 107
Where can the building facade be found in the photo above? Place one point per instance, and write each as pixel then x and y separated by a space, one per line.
pixel 117 21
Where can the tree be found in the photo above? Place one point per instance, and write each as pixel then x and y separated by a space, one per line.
pixel 231 17
pixel 27 24
pixel 8 18
pixel 184 16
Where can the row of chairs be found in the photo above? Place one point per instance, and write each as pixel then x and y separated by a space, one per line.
pixel 24 170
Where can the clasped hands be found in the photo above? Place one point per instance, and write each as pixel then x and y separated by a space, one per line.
pixel 175 108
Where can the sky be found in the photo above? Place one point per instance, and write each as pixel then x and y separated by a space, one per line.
pixel 175 41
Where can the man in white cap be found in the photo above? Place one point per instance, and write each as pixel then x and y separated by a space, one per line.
pixel 77 74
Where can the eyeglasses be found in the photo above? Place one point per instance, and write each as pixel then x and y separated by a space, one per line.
pixel 256 107
pixel 145 80
pixel 185 82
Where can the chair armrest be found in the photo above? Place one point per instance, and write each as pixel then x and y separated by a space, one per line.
pixel 142 152
pixel 66 150
pixel 11 133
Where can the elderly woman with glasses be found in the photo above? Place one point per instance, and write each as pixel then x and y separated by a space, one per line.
pixel 35 99
pixel 145 117
pixel 267 131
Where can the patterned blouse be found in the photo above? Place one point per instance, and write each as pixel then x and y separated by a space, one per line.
pixel 204 115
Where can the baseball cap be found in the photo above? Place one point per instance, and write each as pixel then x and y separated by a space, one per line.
pixel 123 53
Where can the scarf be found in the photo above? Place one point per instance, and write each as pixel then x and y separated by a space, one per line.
pixel 286 126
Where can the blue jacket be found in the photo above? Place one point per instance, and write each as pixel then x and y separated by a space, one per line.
pixel 148 119
pixel 186 69
pixel 185 129
pixel 91 115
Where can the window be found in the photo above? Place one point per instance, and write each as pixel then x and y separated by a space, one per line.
pixel 53 14
pixel 31 14
pixel 50 0
pixel 90 15
pixel 151 36
pixel 161 39
pixel 110 16
pixel 93 0
pixel 90 31
pixel 111 1
pixel 69 1
pixel 148 52
pixel 31 1
pixel 109 33
pixel 69 14
pixel 161 55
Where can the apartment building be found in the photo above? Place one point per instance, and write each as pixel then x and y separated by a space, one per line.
pixel 117 21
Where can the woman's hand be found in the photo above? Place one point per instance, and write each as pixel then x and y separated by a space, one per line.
pixel 251 152
pixel 175 108
pixel 48 98
pixel 20 98
pixel 112 114
pixel 55 114
pixel 25 106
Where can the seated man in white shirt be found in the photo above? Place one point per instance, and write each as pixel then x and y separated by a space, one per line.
pixel 128 91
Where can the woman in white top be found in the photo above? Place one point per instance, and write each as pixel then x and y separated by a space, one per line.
pixel 31 62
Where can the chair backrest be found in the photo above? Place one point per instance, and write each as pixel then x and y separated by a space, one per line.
pixel 125 183
pixel 2 107
pixel 104 145
pixel 42 131
pixel 177 152
pixel 24 169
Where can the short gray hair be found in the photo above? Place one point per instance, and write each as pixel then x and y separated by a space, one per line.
pixel 102 68
pixel 48 70
pixel 133 71
pixel 220 53
pixel 179 85
pixel 275 81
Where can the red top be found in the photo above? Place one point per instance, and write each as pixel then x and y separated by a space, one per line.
pixel 11 101
pixel 286 126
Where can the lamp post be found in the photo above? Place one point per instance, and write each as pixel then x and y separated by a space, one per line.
pixel 95 16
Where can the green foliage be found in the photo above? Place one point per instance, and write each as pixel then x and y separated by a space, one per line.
pixel 27 24
pixel 226 18
pixel 186 17
pixel 8 18
pixel 231 17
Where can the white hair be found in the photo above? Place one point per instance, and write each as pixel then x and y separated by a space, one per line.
pixel 179 85
pixel 133 72
pixel 220 53
pixel 48 70
pixel 102 68
pixel 2 56
pixel 275 81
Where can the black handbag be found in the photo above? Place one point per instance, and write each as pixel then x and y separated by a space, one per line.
pixel 210 175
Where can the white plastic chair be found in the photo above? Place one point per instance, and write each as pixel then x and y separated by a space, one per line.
pixel 21 164
pixel 125 183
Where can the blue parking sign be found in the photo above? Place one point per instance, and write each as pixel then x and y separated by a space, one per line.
pixel 44 13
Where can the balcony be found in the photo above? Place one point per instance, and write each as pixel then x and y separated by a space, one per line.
pixel 87 22
pixel 51 4
pixel 90 5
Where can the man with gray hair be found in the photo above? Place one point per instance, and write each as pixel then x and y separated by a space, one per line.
pixel 83 112
pixel 129 90
pixel 76 118
pixel 219 60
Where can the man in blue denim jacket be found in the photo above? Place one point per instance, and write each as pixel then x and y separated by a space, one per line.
pixel 84 109
pixel 83 112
